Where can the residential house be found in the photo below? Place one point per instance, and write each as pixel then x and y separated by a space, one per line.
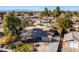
pixel 76 27
pixel 45 22
pixel 36 35
pixel 74 19
pixel 71 42
pixel 37 21
pixel 62 15
pixel 26 16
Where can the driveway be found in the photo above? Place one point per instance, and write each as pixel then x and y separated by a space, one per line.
pixel 47 47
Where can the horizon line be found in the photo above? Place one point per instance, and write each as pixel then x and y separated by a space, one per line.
pixel 39 8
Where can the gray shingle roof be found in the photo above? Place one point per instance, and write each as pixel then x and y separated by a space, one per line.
pixel 71 36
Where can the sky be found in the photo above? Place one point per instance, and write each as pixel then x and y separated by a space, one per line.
pixel 39 8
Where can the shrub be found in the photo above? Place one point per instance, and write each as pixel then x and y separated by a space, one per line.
pixel 10 46
pixel 23 48
pixel 4 40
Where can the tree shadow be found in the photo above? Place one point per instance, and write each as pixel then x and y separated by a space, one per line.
pixel 54 40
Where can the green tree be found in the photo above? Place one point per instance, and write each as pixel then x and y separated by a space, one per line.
pixel 64 24
pixel 11 25
pixel 68 14
pixel 24 24
pixel 46 12
pixel 30 13
pixel 57 11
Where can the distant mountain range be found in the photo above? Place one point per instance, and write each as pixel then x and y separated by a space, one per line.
pixel 22 10
pixel 18 10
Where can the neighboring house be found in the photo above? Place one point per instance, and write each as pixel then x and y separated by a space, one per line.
pixel 53 21
pixel 37 22
pixel 1 19
pixel 30 21
pixel 76 27
pixel 21 17
pixel 26 16
pixel 36 14
pixel 62 15
pixel 45 36
pixel 71 42
pixel 36 34
pixel 45 22
pixel 74 19
pixel 26 35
